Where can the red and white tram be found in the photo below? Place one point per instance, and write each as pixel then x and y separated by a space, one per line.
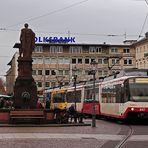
pixel 123 95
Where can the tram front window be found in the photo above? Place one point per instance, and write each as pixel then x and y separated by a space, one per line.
pixel 59 98
pixel 138 92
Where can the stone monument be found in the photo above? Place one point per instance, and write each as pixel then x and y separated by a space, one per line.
pixel 25 90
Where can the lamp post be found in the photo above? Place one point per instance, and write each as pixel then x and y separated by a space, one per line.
pixel 93 72
pixel 74 73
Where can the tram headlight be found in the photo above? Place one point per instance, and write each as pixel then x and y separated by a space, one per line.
pixel 132 109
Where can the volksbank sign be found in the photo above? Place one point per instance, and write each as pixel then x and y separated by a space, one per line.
pixel 55 39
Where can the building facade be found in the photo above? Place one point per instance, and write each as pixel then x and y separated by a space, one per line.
pixel 141 48
pixel 53 64
pixel 11 74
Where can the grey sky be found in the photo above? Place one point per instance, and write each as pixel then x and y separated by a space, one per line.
pixel 102 17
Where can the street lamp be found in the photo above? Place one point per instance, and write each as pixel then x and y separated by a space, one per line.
pixel 93 72
pixel 74 74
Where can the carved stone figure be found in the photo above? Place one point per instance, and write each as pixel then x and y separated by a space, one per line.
pixel 25 89
pixel 27 39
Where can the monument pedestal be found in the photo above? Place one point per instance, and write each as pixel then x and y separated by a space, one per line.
pixel 25 90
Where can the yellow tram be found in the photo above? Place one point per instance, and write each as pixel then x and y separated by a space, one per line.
pixel 57 98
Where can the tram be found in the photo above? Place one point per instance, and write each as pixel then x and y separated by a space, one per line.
pixel 63 97
pixel 57 98
pixel 122 95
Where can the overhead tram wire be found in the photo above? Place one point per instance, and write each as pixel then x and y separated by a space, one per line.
pixel 144 22
pixel 74 33
pixel 62 9
pixel 143 26
pixel 49 13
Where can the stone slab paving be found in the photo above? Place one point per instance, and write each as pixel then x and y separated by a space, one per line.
pixel 71 136
pixel 60 136
pixel 103 135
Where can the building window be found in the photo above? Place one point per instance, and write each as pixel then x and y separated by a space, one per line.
pixel 115 61
pixel 75 49
pixel 102 61
pixel 95 49
pixel 92 60
pixel 137 50
pixel 40 60
pixel 127 61
pixel 47 84
pixel 99 61
pixel 73 60
pixel 39 72
pixel 114 50
pixel 144 48
pixel 61 72
pixel 53 84
pixel 59 49
pixel 47 60
pixel 66 72
pixel 38 49
pixel 34 72
pixel 66 61
pixel 87 61
pixel 98 49
pixel 126 50
pixel 39 84
pixel 53 61
pixel 92 50
pixel 105 61
pixel 79 61
pixel 100 72
pixel 47 72
pixel 61 60
pixel 34 60
pixel 56 49
pixel 53 72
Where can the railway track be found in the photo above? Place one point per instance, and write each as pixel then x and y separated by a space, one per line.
pixel 124 141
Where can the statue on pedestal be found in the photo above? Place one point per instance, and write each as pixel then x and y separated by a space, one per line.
pixel 25 89
pixel 27 39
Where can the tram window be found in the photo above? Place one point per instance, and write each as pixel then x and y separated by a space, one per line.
pixel 118 93
pixel 78 96
pixel 57 98
pixel 108 94
pixel 97 94
pixel 88 97
pixel 104 95
pixel 126 91
pixel 70 96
